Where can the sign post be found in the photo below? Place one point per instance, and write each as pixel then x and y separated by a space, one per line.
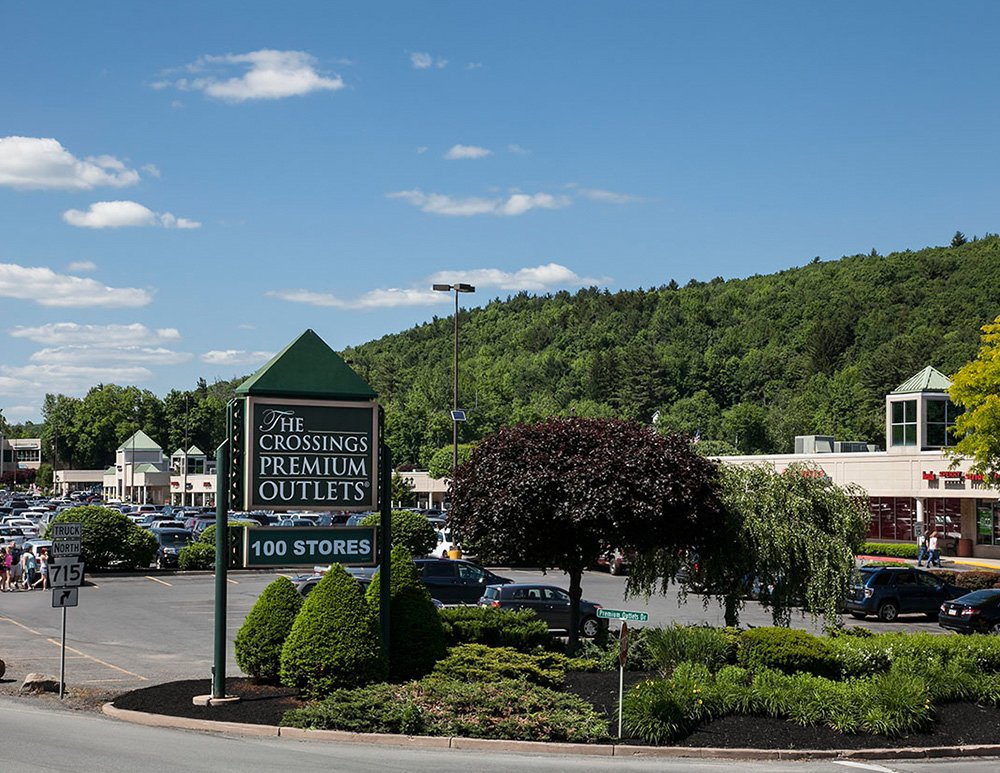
pixel 304 433
pixel 622 657
pixel 65 577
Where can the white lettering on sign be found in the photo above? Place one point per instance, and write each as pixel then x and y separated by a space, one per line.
pixel 278 491
pixel 311 547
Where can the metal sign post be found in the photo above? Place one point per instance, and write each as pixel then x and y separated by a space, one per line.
pixel 65 577
pixel 622 657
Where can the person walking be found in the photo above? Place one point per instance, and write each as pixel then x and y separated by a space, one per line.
pixel 933 553
pixel 29 565
pixel 4 569
pixel 14 552
pixel 43 570
pixel 922 547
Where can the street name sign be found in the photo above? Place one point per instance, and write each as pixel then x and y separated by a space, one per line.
pixel 621 614
pixel 305 546
pixel 64 548
pixel 310 454
pixel 64 597
pixel 65 574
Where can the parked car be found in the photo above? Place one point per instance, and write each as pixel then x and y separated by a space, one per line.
pixel 454 581
pixel 169 542
pixel 614 560
pixel 891 591
pixel 976 612
pixel 550 603
pixel 9 534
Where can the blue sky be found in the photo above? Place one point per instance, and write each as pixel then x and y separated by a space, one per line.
pixel 185 187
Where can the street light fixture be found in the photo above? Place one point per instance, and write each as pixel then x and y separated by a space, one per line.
pixel 456 414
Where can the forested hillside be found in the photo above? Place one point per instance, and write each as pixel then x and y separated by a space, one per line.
pixel 745 363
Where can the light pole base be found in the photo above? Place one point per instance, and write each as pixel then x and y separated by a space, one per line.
pixel 208 700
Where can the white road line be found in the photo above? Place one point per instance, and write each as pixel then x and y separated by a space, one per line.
pixel 156 579
pixel 98 660
pixel 863 766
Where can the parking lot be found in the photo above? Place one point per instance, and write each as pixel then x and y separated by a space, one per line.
pixel 132 631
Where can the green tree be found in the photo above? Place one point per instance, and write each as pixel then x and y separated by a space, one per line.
pixel 958 239
pixel 791 535
pixel 402 492
pixel 417 638
pixel 409 529
pixel 556 493
pixel 976 389
pixel 334 641
pixel 440 463
pixel 108 539
pixel 263 633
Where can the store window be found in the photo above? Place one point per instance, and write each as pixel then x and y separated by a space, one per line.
pixel 940 416
pixel 987 522
pixel 944 516
pixel 893 518
pixel 904 423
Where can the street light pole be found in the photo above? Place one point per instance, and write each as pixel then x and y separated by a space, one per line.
pixel 458 287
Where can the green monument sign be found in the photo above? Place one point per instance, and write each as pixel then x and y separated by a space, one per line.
pixel 303 546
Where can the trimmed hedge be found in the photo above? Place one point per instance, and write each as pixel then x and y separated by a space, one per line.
pixel 513 710
pixel 197 555
pixel 334 641
pixel 974 580
pixel 891 549
pixel 416 639
pixel 263 633
pixel 520 629
pixel 787 650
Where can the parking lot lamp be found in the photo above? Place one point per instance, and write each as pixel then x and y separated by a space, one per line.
pixel 456 414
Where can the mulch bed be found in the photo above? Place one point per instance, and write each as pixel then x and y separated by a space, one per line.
pixel 957 723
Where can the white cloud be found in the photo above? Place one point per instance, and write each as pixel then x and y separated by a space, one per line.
pixel 457 152
pixel 374 299
pixel 534 279
pixel 269 74
pixel 515 204
pixel 421 60
pixel 109 355
pixel 43 163
pixel 611 197
pixel 473 65
pixel 47 288
pixel 151 170
pixel 81 266
pixel 73 334
pixel 124 214
pixel 19 413
pixel 235 357
pixel 67 379
pixel 422 149
pixel 517 150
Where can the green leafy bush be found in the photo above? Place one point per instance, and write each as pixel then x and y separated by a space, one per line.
pixel 892 549
pixel 787 650
pixel 520 629
pixel 334 641
pixel 664 710
pixel 108 539
pixel 235 532
pixel 197 555
pixel 605 654
pixel 416 637
pixel 435 706
pixel 409 529
pixel 260 638
pixel 712 647
pixel 976 580
pixel 479 663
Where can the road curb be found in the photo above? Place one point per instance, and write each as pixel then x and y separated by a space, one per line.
pixel 542 747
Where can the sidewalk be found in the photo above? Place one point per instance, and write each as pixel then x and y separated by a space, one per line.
pixel 946 561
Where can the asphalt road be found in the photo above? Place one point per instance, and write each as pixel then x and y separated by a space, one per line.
pixel 129 632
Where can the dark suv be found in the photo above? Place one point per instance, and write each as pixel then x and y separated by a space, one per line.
pixel 550 603
pixel 453 581
pixel 892 591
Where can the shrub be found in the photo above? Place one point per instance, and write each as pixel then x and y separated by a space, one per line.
pixel 416 637
pixel 409 529
pixel 197 555
pixel 260 638
pixel 605 654
pixel 712 647
pixel 235 532
pixel 893 549
pixel 787 650
pixel 444 707
pixel 976 580
pixel 334 641
pixel 666 709
pixel 108 538
pixel 479 663
pixel 520 629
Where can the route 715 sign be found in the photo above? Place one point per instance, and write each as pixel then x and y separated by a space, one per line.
pixel 65 573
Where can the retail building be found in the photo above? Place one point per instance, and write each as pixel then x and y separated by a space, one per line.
pixel 914 484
